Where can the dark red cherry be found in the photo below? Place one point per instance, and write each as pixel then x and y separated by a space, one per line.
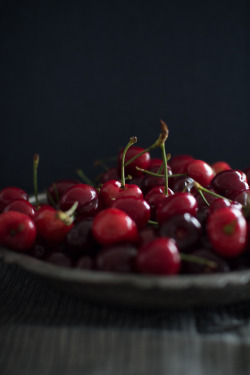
pixel 215 264
pixel 110 174
pixel 138 209
pixel 142 161
pixel 149 181
pixel 9 194
pixel 80 239
pixel 112 190
pixel 21 205
pixel 57 188
pixel 17 231
pixel 185 229
pixel 59 259
pixel 86 196
pixel 179 203
pixel 155 197
pixel 200 171
pixel 116 258
pixel 179 163
pixel 181 184
pixel 112 226
pixel 146 235
pixel 247 173
pixel 159 257
pixel 227 231
pixel 39 250
pixel 229 183
pixel 155 164
pixel 220 166
pixel 243 197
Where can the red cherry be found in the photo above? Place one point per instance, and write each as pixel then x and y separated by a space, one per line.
pixel 116 258
pixel 112 226
pixel 220 166
pixel 227 231
pixel 138 209
pixel 112 190
pixel 142 161
pixel 86 196
pixel 229 183
pixel 110 174
pixel 155 164
pixel 21 205
pixel 10 194
pixel 200 171
pixel 146 235
pixel 155 197
pixel 179 203
pixel 17 231
pixel 247 173
pixel 57 188
pixel 179 163
pixel 159 257
pixel 52 225
pixel 149 181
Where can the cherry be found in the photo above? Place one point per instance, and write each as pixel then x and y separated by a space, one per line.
pixel 229 183
pixel 86 196
pixel 112 190
pixel 9 194
pixel 59 259
pixel 17 231
pixel 85 262
pixel 181 184
pixel 21 205
pixel 220 166
pixel 200 171
pixel 147 234
pixel 179 163
pixel 243 197
pixel 159 257
pixel 80 239
pixel 219 203
pixel 227 231
pixel 155 197
pixel 116 258
pixel 179 203
pixel 110 174
pixel 57 188
pixel 217 263
pixel 247 173
pixel 184 229
pixel 112 226
pixel 149 181
pixel 52 225
pixel 155 163
pixel 138 209
pixel 142 161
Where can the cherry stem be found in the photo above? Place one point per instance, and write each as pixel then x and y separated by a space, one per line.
pixel 202 188
pixel 161 139
pixel 198 260
pixel 35 167
pixel 84 177
pixel 132 141
pixel 165 163
pixel 203 197
pixel 152 222
pixel 68 216
pixel 160 175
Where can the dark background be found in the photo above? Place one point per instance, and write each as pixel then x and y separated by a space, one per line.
pixel 78 78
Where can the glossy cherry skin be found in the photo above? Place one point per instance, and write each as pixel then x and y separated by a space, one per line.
pixel 179 203
pixel 200 171
pixel 116 258
pixel 185 229
pixel 10 194
pixel 17 231
pixel 155 197
pixel 138 209
pixel 57 188
pixel 112 190
pixel 181 184
pixel 243 197
pixel 87 198
pixel 21 205
pixel 227 231
pixel 229 183
pixel 112 226
pixel 220 203
pixel 142 161
pixel 220 166
pixel 179 163
pixel 159 257
pixel 50 227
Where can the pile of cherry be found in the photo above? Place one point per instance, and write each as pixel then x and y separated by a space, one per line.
pixel 146 215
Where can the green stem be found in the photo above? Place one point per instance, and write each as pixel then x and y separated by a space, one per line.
pixel 35 167
pixel 156 174
pixel 152 222
pixel 165 163
pixel 202 188
pixel 84 177
pixel 132 141
pixel 199 260
pixel 203 197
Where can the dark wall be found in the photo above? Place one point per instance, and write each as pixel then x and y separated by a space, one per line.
pixel 78 78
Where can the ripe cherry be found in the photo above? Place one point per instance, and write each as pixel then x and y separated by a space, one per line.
pixel 86 196
pixel 227 231
pixel 179 203
pixel 10 194
pixel 155 197
pixel 17 231
pixel 179 163
pixel 57 188
pixel 159 257
pixel 149 181
pixel 116 258
pixel 110 174
pixel 80 239
pixel 112 190
pixel 112 226
pixel 220 166
pixel 229 183
pixel 200 171
pixel 215 264
pixel 138 209
pixel 142 161
pixel 21 205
